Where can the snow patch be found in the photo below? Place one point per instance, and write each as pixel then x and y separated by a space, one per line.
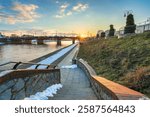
pixel 49 92
pixel 5 72
pixel 2 43
pixel 53 58
pixel 69 66
pixel 144 98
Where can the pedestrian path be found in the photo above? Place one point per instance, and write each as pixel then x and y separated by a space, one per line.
pixel 75 83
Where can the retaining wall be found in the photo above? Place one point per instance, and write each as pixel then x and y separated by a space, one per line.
pixel 105 89
pixel 46 56
pixel 19 84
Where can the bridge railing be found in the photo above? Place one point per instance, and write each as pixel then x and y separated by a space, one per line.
pixel 17 64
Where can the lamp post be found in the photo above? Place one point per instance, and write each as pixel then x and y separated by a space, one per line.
pixel 56 33
pixel 35 33
pixel 127 12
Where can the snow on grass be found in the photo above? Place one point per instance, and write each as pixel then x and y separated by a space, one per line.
pixel 53 58
pixel 49 92
pixel 69 66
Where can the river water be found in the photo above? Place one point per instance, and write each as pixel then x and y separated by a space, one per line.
pixel 26 53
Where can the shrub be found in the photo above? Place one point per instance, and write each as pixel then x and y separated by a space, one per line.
pixel 130 25
pixel 111 31
pixel 139 79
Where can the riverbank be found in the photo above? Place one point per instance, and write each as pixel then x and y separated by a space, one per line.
pixel 52 58
pixel 125 61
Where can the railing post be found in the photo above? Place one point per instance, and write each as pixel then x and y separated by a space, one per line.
pixel 73 41
pixel 16 65
pixel 58 41
pixel 37 66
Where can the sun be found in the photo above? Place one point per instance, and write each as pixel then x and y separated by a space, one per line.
pixel 83 35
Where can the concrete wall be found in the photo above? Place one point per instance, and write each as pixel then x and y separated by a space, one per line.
pixel 19 84
pixel 55 63
pixel 106 89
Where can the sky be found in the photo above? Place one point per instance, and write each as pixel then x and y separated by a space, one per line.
pixel 43 17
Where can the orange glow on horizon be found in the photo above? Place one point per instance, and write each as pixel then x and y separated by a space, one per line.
pixel 83 35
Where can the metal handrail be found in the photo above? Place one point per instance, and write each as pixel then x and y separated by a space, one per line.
pixel 28 63
pixel 7 63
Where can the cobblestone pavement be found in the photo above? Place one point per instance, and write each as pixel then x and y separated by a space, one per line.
pixel 75 83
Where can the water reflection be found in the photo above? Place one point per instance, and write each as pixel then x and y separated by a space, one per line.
pixel 27 52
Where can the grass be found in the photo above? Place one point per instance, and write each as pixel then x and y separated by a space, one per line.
pixel 116 59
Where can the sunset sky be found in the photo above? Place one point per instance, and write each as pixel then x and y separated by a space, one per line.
pixel 78 16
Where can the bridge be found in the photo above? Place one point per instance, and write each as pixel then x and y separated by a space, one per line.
pixel 40 39
pixel 79 82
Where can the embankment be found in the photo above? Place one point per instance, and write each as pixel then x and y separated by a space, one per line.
pixel 125 61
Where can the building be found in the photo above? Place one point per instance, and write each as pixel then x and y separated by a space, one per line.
pixel 99 32
pixel 142 28
pixel 139 29
pixel 120 32
pixel 107 33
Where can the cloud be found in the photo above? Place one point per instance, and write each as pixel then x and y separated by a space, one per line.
pixel 80 7
pixel 64 6
pixel 69 13
pixel 7 17
pixel 63 11
pixel 26 11
pixel 11 20
pixel 59 16
pixel 22 13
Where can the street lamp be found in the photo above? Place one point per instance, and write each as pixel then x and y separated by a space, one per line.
pixel 35 33
pixel 56 33
pixel 127 12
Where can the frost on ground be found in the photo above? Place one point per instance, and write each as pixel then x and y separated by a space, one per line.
pixel 49 92
pixel 69 66
pixel 53 58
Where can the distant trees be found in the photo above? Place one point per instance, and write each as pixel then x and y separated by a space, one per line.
pixel 111 31
pixel 130 25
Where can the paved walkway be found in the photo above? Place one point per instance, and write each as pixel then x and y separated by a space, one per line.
pixel 75 83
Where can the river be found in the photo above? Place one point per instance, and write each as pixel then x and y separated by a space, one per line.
pixel 26 52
